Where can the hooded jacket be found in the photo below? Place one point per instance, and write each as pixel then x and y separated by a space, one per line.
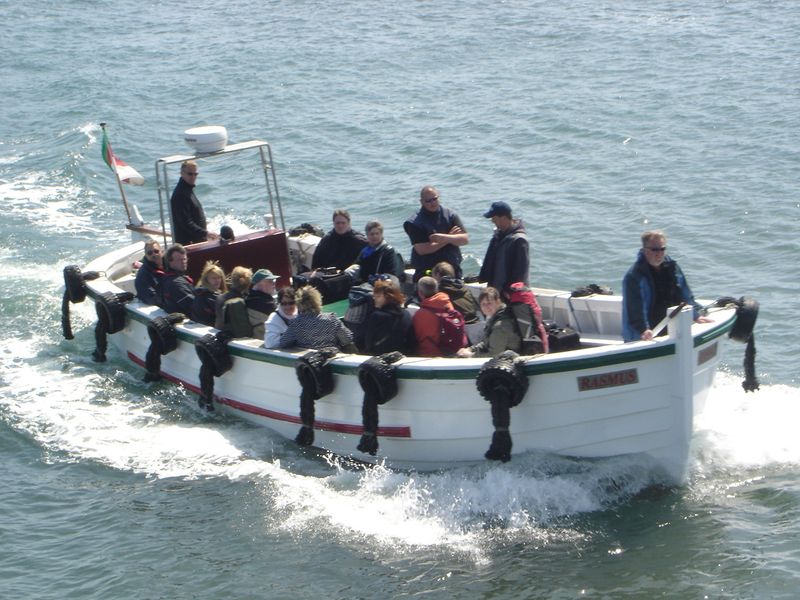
pixel 638 296
pixel 426 323
pixel 501 333
pixel 507 259
pixel 148 278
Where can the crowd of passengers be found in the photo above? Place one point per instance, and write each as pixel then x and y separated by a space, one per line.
pixel 443 319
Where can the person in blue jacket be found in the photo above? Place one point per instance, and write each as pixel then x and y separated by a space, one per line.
pixel 653 284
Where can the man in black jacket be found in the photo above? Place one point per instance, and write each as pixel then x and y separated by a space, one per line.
pixel 506 259
pixel 148 277
pixel 340 247
pixel 188 218
pixel 177 290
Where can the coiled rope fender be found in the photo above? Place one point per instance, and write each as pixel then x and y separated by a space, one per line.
pixel 110 309
pixel 215 361
pixel 75 292
pixel 742 331
pixel 503 383
pixel 163 340
pixel 315 375
pixel 378 378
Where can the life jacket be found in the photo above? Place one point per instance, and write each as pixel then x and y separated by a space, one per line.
pixel 528 317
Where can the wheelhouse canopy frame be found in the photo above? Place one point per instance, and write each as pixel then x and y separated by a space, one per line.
pixel 267 165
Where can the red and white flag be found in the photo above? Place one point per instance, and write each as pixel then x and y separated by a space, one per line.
pixel 125 172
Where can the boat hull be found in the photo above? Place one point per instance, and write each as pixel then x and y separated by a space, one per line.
pixel 605 400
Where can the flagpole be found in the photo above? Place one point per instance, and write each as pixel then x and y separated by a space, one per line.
pixel 116 175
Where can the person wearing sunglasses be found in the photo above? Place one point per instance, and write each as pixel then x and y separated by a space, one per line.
pixel 436 234
pixel 278 321
pixel 149 275
pixel 653 284
pixel 188 218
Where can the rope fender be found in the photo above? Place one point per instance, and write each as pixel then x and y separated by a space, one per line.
pixel 742 331
pixel 110 309
pixel 378 378
pixel 215 361
pixel 315 375
pixel 503 383
pixel 75 292
pixel 163 340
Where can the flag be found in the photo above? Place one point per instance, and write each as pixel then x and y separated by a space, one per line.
pixel 126 173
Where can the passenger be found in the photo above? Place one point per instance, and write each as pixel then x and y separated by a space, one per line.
pixel 177 292
pixel 260 301
pixel 313 329
pixel 340 247
pixel 389 327
pixel 149 275
pixel 429 329
pixel 436 234
pixel 506 259
pixel 654 283
pixel 459 294
pixel 231 311
pixel 377 258
pixel 211 285
pixel 278 321
pixel 501 332
pixel 188 218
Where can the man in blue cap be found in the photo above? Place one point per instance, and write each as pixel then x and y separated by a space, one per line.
pixel 506 259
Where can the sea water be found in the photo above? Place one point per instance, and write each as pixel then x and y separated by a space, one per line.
pixel 594 121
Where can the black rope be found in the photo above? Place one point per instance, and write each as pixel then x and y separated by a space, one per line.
pixel 101 343
pixel 750 383
pixel 369 418
pixel 152 362
pixel 500 448
pixel 305 437
pixel 206 398
pixel 66 326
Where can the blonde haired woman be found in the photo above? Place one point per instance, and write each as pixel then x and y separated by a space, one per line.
pixel 231 310
pixel 314 329
pixel 211 285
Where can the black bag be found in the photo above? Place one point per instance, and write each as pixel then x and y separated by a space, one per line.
pixel 333 287
pixel 561 339
pixel 360 308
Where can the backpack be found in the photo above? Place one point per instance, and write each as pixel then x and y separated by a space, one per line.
pixel 360 307
pixel 528 318
pixel 451 331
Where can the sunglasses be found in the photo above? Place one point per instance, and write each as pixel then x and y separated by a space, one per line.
pixel 192 173
pixel 662 249
pixel 430 200
pixel 152 252
pixel 288 303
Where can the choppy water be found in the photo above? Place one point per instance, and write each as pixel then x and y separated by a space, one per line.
pixel 594 121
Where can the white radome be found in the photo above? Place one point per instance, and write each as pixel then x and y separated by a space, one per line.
pixel 209 138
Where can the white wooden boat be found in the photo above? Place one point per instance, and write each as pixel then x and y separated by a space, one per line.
pixel 606 398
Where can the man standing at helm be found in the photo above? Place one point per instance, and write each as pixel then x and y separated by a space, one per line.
pixel 188 218
pixel 653 284
pixel 436 234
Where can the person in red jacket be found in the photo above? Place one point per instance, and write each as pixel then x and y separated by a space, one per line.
pixel 428 324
